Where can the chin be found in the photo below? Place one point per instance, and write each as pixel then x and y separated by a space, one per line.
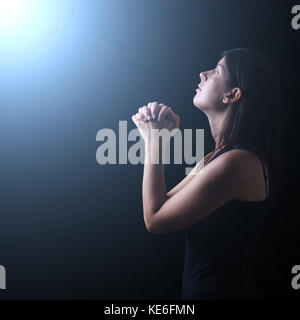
pixel 198 103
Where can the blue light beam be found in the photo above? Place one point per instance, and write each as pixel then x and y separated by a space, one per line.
pixel 28 26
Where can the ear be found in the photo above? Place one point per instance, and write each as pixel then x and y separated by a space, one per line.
pixel 232 96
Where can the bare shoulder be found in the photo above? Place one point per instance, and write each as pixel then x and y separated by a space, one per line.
pixel 231 158
pixel 245 169
pixel 240 157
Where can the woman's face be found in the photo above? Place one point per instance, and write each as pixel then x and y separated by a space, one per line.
pixel 213 86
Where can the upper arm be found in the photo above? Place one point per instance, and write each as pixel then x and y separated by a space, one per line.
pixel 218 183
pixel 186 180
pixel 180 185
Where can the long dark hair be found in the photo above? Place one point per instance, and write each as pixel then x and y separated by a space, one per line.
pixel 255 118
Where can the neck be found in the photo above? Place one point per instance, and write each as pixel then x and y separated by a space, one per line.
pixel 216 121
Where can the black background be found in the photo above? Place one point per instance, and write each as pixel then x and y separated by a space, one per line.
pixel 72 229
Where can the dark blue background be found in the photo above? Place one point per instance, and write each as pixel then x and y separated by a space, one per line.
pixel 71 228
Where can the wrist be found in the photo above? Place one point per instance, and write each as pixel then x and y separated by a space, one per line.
pixel 155 151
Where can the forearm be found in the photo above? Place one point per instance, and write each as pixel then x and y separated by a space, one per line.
pixel 154 189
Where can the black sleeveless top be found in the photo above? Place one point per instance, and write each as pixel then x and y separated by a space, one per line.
pixel 219 249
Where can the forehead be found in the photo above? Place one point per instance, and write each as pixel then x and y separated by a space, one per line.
pixel 221 64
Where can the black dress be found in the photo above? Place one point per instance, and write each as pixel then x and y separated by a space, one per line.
pixel 220 248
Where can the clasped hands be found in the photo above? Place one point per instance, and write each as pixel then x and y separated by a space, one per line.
pixel 155 116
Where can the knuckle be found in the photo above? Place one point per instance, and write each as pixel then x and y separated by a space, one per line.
pixel 156 109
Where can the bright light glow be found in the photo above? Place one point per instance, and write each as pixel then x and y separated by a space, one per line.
pixel 29 26
pixel 15 14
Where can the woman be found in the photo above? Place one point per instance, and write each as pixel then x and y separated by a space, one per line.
pixel 221 205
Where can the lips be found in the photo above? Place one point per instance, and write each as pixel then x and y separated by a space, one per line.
pixel 199 87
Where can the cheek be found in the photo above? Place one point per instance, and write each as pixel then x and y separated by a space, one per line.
pixel 211 96
pixel 215 92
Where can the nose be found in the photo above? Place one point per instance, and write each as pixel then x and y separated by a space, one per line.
pixel 203 76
